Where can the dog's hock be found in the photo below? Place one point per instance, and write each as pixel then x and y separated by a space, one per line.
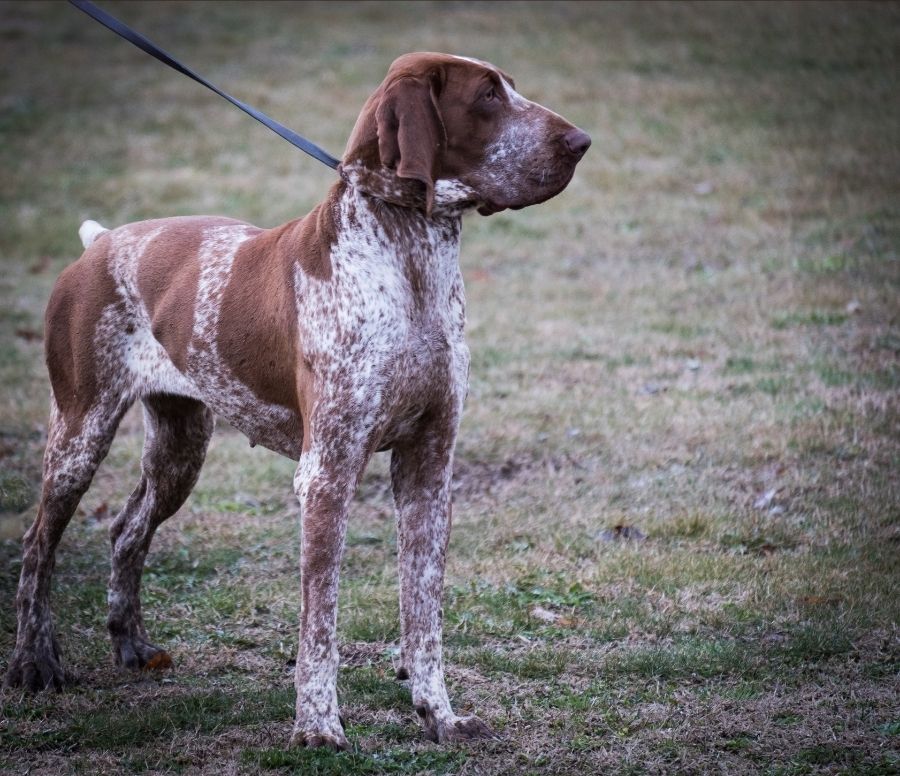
pixel 90 231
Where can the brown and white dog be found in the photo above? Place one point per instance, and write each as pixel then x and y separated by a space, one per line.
pixel 325 339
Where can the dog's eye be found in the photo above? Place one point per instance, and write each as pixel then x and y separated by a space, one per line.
pixel 489 95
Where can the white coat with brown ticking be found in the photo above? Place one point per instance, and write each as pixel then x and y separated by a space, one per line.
pixel 326 339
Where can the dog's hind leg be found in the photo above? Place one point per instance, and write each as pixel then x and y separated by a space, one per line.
pixel 177 432
pixel 76 444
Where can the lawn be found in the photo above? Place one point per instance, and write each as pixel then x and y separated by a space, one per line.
pixel 677 486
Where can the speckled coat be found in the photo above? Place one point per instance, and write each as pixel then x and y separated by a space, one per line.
pixel 324 339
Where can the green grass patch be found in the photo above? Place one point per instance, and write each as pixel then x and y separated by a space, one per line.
pixel 701 658
pixel 545 663
pixel 773 386
pixel 125 727
pixel 319 762
pixel 680 329
pixel 581 700
pixel 809 318
pixel 373 687
pixel 187 567
pixel 692 525
pixel 739 365
pixel 483 609
pixel 369 610
pixel 16 492
pixel 819 640
pixel 825 265
pixel 743 690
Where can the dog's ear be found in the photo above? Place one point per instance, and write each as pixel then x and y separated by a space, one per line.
pixel 411 134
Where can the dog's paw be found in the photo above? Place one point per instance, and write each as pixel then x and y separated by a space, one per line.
pixel 310 740
pixel 314 736
pixel 36 669
pixel 443 730
pixel 140 655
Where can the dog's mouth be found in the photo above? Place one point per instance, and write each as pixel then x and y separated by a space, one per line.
pixel 553 180
pixel 542 185
pixel 489 208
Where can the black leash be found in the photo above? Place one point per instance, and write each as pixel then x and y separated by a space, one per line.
pixel 155 51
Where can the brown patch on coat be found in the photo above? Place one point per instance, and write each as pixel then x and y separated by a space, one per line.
pixel 167 275
pixel 257 334
pixel 309 239
pixel 82 292
pixel 167 281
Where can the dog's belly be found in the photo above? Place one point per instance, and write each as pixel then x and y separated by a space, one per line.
pixel 276 428
pixel 273 426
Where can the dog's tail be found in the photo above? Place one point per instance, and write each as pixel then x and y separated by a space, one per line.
pixel 90 231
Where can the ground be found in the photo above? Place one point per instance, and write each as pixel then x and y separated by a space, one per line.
pixel 675 543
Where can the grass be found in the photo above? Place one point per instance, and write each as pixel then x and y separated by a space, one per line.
pixel 698 340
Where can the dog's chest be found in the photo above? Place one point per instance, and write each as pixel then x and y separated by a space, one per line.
pixel 375 341
pixel 383 337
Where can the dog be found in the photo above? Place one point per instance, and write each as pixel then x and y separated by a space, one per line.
pixel 326 339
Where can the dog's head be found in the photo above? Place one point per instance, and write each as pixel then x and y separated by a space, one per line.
pixel 445 132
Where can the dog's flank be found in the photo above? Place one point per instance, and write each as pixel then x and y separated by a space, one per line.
pixel 324 339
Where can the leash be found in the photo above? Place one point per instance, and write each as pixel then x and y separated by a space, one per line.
pixel 155 51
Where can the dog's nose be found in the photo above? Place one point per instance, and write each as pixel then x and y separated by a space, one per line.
pixel 577 141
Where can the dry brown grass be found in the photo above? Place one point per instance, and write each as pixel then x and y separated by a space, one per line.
pixel 698 339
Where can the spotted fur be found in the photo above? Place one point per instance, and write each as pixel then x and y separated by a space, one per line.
pixel 324 339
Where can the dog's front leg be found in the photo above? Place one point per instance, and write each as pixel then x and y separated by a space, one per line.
pixel 420 475
pixel 324 485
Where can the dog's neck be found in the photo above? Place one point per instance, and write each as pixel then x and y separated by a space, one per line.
pixel 380 238
pixel 452 198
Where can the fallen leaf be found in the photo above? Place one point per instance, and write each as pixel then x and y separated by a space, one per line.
pixel 818 600
pixel 622 532
pixel 651 389
pixel 159 662
pixel 765 499
pixel 544 615
pixel 41 265
pixel 29 335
